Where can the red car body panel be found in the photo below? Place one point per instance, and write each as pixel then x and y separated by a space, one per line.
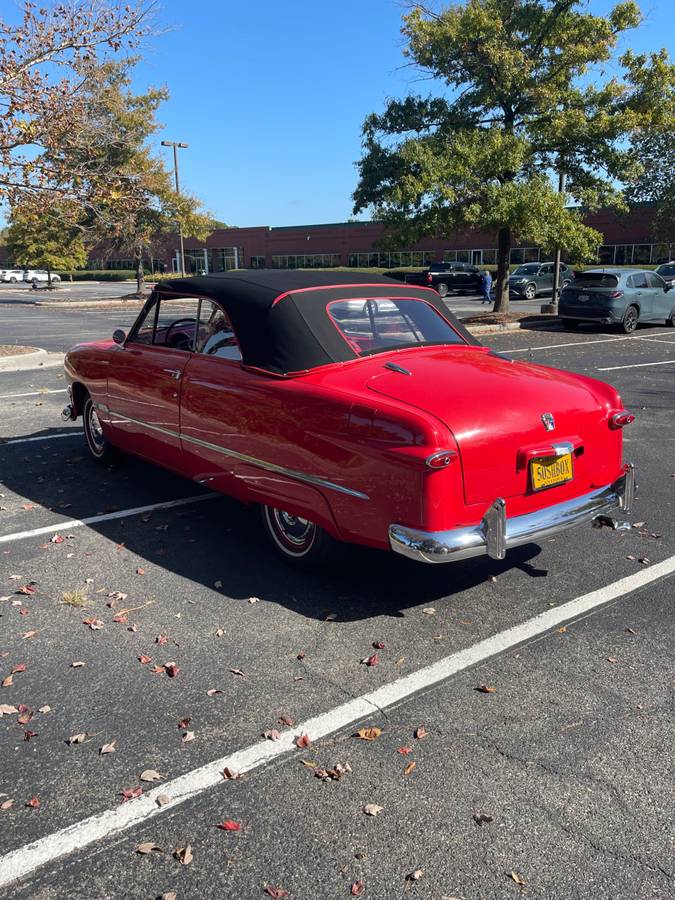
pixel 358 433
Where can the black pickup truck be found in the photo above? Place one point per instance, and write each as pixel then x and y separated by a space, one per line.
pixel 448 276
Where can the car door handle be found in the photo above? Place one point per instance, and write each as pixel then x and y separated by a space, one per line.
pixel 174 373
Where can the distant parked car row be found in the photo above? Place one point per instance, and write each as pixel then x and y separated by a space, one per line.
pixel 12 276
pixel 527 282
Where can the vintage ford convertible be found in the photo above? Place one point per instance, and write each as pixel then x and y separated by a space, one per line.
pixel 353 409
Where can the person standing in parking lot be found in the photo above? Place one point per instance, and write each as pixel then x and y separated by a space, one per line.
pixel 486 285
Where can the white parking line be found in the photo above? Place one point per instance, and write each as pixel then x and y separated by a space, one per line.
pixel 657 341
pixel 69 524
pixel 33 394
pixel 48 437
pixel 21 862
pixel 628 337
pixel 665 362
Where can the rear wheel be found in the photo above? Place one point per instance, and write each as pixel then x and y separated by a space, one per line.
pixel 442 289
pixel 570 324
pixel 630 320
pixel 97 443
pixel 671 320
pixel 297 540
pixel 530 292
pixel 12 280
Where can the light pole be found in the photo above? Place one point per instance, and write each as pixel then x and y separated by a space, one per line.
pixel 552 307
pixel 176 145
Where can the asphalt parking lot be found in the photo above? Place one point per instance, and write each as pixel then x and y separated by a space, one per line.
pixel 541 720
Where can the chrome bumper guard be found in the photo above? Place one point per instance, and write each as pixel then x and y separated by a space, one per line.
pixel 496 533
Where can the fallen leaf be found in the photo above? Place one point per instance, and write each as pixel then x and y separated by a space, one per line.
pixel 19 667
pixel 108 748
pixel 371 660
pixel 286 720
pixel 357 888
pixel 229 825
pixel 162 799
pixel 78 738
pixel 562 630
pixel 276 892
pixel 171 669
pixel 238 672
pixel 368 734
pixel 34 803
pixel 372 809
pixel 169 895
pixel 28 589
pixel 7 710
pixel 147 847
pixel 229 775
pixel 94 624
pixel 157 670
pixel 408 769
pixel 7 804
pixel 188 736
pixel 27 635
pixel 183 855
pixel 140 571
pixel 485 689
pixel 378 645
pixel 309 763
pixel 254 599
pixel 644 561
pixel 150 775
pixel 213 691
pixel 301 655
pixel 271 735
pixel 630 630
pixel 518 880
pixel 611 659
pixel 8 681
pixel 144 660
pixel 482 818
pixel 45 709
pixel 219 632
pixel 302 741
pixel 404 751
pixel 115 597
pixel 28 735
pixel 161 639
pixel 184 722
pixel 78 664
pixel 429 611
pixel 130 793
pixel 421 732
pixel 415 876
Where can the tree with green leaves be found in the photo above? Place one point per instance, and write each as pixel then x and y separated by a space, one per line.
pixel 654 182
pixel 138 203
pixel 46 237
pixel 525 94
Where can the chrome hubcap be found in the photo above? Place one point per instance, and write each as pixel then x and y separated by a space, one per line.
pixel 295 530
pixel 95 431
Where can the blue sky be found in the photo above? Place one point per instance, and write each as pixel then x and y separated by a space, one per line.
pixel 271 97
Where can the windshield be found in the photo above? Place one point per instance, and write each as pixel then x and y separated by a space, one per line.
pixel 666 270
pixel 596 280
pixel 530 269
pixel 370 326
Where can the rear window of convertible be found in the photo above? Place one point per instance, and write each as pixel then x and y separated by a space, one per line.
pixel 384 324
pixel 596 280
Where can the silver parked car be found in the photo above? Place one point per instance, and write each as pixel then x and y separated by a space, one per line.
pixel 621 297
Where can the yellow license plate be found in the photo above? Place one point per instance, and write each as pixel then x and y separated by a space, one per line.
pixel 547 471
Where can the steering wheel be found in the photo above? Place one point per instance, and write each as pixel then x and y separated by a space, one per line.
pixel 179 341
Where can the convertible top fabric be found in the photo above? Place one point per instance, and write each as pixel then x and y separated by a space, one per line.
pixel 280 318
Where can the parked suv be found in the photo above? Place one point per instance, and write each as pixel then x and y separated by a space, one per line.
pixel 617 296
pixel 11 275
pixel 537 278
pixel 36 275
pixel 667 272
pixel 448 276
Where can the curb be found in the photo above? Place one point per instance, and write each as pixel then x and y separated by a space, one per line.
pixel 37 360
pixel 103 303
pixel 510 326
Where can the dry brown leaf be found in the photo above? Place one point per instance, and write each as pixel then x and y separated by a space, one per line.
pixel 309 763
pixel 238 672
pixel 277 893
pixel 408 769
pixel 150 775
pixel 108 748
pixel 368 734
pixel 421 732
pixel 518 880
pixel 7 710
pixel 229 775
pixel 188 736
pixel 8 681
pixel 357 888
pixel 372 809
pixel 78 738
pixel 213 691
pixel 183 855
pixel 7 804
pixel 77 664
pixel 415 876
pixel 147 847
pixel 272 734
pixel 485 689
pixel 162 799
pixel 169 895
pixel 302 740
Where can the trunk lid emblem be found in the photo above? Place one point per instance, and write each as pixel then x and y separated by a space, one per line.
pixel 548 420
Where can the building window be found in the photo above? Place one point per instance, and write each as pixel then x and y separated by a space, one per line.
pixel 642 253
pixel 197 261
pixel 463 256
pixel 606 254
pixel 120 264
pixel 489 257
pixel 517 256
pixel 257 262
pixel 449 256
pixel 623 254
pixel 531 254
pixel 227 258
pixel 306 261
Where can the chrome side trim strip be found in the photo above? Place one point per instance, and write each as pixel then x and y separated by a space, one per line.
pixel 496 533
pixel 315 480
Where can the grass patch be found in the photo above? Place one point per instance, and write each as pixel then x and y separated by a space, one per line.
pixel 74 599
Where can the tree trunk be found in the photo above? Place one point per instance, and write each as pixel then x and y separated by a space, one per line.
pixel 139 273
pixel 503 258
pixel 49 279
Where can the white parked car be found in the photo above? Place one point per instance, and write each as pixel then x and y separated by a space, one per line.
pixel 11 275
pixel 35 275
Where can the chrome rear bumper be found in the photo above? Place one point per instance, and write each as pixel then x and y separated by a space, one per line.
pixel 496 533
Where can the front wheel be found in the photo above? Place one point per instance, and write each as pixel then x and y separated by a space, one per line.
pixel 530 292
pixel 630 320
pixel 299 541
pixel 97 443
pixel 442 289
pixel 12 280
pixel 670 321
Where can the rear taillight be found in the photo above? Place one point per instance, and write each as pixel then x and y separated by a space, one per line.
pixel 430 278
pixel 615 295
pixel 620 419
pixel 440 459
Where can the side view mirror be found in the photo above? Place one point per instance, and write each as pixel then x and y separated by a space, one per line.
pixel 667 288
pixel 119 336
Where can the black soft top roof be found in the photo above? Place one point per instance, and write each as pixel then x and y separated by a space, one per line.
pixel 280 318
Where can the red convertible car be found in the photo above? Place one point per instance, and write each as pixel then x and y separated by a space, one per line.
pixel 353 411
